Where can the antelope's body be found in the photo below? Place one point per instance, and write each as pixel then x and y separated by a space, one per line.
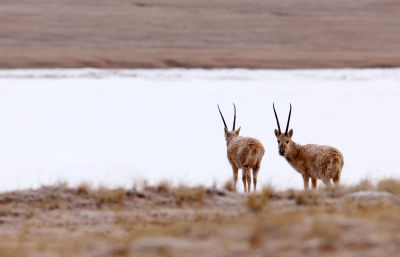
pixel 316 162
pixel 311 161
pixel 243 153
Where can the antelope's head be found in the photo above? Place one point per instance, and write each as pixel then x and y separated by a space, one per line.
pixel 229 135
pixel 284 140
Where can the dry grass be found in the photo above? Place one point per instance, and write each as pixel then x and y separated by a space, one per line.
pixel 192 194
pixel 229 185
pixel 164 187
pixel 166 220
pixel 363 185
pixel 390 186
pixel 324 228
pixel 104 195
pixel 302 197
pixel 258 201
pixel 84 189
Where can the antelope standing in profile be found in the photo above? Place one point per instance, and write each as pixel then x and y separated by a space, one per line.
pixel 243 153
pixel 311 161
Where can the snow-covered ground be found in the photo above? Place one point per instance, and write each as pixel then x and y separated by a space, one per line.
pixel 115 127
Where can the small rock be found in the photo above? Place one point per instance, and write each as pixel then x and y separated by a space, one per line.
pixel 365 195
pixel 135 193
pixel 213 191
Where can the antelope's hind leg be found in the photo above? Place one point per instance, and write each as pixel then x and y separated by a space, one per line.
pixel 306 180
pixel 248 176
pixel 256 169
pixel 336 179
pixel 244 178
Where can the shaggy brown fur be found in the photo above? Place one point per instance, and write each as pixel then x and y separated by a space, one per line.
pixel 311 161
pixel 243 153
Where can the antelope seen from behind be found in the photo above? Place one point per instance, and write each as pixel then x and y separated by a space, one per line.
pixel 243 153
pixel 311 161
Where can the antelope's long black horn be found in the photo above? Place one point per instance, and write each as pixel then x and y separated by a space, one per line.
pixel 234 117
pixel 276 117
pixel 222 116
pixel 288 121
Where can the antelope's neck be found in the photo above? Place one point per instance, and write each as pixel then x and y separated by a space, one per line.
pixel 229 140
pixel 294 152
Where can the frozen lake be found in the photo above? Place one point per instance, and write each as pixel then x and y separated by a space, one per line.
pixel 115 127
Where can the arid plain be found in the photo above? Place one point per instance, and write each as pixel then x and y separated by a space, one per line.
pixel 208 34
pixel 163 220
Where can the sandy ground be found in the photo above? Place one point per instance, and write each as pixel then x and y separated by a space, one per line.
pixel 209 33
pixel 180 221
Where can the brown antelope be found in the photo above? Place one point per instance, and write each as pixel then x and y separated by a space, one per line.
pixel 311 161
pixel 243 153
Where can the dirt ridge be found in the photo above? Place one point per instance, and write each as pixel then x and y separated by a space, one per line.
pixel 207 34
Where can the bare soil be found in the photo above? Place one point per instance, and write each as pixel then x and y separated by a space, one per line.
pixel 207 33
pixel 166 221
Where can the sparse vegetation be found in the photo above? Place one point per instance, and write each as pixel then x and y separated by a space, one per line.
pixel 324 228
pixel 104 195
pixel 83 189
pixel 258 201
pixel 363 185
pixel 389 185
pixel 164 187
pixel 162 220
pixel 193 194
pixel 229 185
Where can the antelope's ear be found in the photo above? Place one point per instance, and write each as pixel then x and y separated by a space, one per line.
pixel 238 131
pixel 290 134
pixel 276 133
pixel 226 130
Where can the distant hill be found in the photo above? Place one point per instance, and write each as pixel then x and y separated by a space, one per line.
pixel 207 33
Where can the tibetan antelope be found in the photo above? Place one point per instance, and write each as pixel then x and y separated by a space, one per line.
pixel 243 153
pixel 311 161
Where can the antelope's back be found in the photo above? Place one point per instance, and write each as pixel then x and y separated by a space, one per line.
pixel 245 151
pixel 322 155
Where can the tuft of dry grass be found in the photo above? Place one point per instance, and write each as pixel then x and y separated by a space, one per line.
pixel 258 201
pixel 268 191
pixel 164 187
pixel 229 186
pixel 305 197
pixel 62 185
pixel 364 185
pixel 189 194
pixel 324 228
pixel 83 189
pixel 389 185
pixel 114 196
pixel 301 197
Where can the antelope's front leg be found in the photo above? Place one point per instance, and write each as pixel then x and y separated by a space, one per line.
pixel 306 179
pixel 314 183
